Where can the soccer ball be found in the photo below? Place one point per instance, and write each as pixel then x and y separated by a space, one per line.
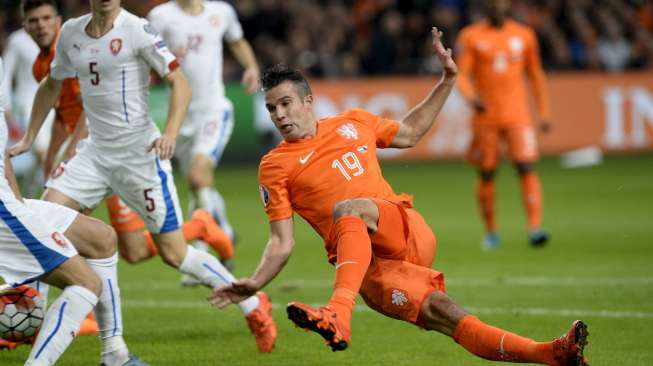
pixel 21 313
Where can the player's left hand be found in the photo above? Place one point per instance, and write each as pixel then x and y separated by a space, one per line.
pixel 164 147
pixel 233 293
pixel 250 80
pixel 545 126
pixel 444 54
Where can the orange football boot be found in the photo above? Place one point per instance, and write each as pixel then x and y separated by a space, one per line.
pixel 262 325
pixel 4 344
pixel 568 349
pixel 323 321
pixel 89 326
pixel 213 235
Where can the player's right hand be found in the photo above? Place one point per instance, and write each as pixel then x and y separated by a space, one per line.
pixel 20 147
pixel 233 293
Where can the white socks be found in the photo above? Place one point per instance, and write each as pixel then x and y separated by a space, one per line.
pixel 210 200
pixel 60 325
pixel 108 310
pixel 212 273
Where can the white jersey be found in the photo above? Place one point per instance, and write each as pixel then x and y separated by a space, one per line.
pixel 201 37
pixel 2 104
pixel 114 75
pixel 19 56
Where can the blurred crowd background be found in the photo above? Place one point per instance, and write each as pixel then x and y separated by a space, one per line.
pixel 349 38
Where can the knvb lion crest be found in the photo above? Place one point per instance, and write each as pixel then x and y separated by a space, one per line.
pixel 399 298
pixel 115 46
pixel 348 131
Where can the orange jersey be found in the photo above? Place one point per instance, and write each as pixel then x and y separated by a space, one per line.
pixel 493 62
pixel 69 105
pixel 310 176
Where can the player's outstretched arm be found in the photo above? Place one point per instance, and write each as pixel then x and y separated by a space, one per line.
pixel 180 94
pixel 46 96
pixel 245 56
pixel 537 80
pixel 274 258
pixel 415 124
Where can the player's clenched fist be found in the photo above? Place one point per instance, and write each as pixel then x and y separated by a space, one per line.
pixel 164 147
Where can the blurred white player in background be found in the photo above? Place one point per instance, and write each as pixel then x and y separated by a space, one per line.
pixel 18 88
pixel 195 31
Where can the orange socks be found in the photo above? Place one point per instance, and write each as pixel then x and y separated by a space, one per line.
pixel 532 197
pixel 354 256
pixel 203 227
pixel 193 230
pixel 485 194
pixel 499 345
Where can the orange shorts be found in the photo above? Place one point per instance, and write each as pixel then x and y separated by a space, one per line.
pixel 484 149
pixel 396 284
pixel 122 217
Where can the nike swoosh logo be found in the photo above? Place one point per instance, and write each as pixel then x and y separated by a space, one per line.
pixel 305 158
pixel 338 265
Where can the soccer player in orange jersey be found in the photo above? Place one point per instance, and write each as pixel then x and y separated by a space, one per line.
pixel 494 55
pixel 327 171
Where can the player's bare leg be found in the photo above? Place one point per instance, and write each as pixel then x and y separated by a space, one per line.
pixel 210 272
pixel 486 201
pixel 201 181
pixel 97 242
pixel 135 243
pixel 62 320
pixel 532 197
pixel 441 313
pixel 205 196
pixel 354 220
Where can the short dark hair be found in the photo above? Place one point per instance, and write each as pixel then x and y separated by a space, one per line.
pixel 279 73
pixel 27 5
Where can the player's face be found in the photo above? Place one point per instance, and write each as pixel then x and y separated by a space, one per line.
pixel 42 24
pixel 498 9
pixel 291 113
pixel 104 6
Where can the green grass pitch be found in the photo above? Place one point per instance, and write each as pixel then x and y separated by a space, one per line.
pixel 598 267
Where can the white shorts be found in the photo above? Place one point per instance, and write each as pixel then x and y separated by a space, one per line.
pixel 207 133
pixel 137 176
pixel 32 242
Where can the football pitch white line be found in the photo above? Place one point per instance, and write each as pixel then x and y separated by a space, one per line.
pixel 451 282
pixel 578 313
pixel 508 281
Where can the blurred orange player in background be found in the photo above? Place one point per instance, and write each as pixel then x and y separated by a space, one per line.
pixel 494 55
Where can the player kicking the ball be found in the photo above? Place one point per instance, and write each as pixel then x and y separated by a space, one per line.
pixel 111 52
pixel 327 171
